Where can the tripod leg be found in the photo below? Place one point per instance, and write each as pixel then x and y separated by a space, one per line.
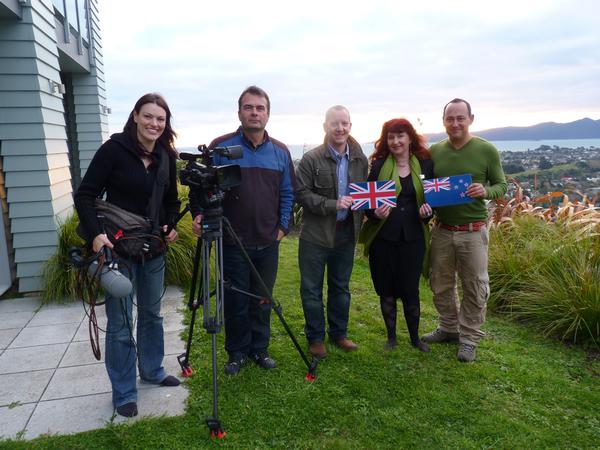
pixel 184 358
pixel 213 323
pixel 216 430
pixel 312 366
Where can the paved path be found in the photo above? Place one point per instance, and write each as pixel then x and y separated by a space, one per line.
pixel 50 381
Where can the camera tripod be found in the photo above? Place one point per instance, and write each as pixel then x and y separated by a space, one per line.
pixel 212 232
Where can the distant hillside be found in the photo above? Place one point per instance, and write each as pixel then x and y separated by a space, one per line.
pixel 579 129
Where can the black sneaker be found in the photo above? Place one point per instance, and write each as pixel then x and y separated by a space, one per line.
pixel 235 363
pixel 264 360
pixel 170 381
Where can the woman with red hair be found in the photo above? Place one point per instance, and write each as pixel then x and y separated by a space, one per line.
pixel 396 239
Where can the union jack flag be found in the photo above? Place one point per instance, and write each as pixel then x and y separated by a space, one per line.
pixel 373 194
pixel 436 185
pixel 447 190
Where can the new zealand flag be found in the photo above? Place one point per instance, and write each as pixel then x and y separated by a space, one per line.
pixel 447 191
pixel 372 194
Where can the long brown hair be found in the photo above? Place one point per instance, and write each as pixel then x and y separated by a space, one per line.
pixel 166 139
pixel 418 143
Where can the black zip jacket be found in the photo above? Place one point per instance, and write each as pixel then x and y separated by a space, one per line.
pixel 117 169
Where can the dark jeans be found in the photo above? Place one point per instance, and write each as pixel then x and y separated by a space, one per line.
pixel 247 320
pixel 312 259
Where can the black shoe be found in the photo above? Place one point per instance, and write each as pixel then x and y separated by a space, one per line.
pixel 390 345
pixel 128 409
pixel 264 360
pixel 170 381
pixel 422 346
pixel 235 363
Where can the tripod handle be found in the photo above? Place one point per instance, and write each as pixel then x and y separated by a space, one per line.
pixel 170 226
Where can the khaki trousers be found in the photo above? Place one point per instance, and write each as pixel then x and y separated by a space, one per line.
pixel 463 254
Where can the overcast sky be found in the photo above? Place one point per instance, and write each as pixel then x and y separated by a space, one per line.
pixel 517 62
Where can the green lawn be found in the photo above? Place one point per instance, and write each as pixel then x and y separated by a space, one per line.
pixel 524 391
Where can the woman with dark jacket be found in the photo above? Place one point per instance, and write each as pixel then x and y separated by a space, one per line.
pixel 396 239
pixel 126 167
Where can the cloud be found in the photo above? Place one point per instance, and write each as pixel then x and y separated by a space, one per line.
pixel 518 62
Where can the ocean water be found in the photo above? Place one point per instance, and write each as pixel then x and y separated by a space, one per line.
pixel 519 146
pixel 504 146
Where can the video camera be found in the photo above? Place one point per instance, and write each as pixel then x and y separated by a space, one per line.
pixel 208 182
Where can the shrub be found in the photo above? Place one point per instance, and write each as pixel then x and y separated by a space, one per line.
pixel 547 274
pixel 58 277
pixel 562 297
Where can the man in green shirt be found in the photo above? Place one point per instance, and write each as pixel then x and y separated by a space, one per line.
pixel 459 241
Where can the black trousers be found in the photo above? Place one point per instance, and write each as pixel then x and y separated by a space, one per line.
pixel 396 270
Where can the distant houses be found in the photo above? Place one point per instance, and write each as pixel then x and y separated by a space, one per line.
pixel 555 169
pixel 53 117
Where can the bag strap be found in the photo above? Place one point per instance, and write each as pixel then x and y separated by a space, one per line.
pixel 158 191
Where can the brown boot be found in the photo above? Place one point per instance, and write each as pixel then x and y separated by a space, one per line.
pixel 346 344
pixel 318 350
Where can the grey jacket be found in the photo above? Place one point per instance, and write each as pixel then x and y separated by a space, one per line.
pixel 317 191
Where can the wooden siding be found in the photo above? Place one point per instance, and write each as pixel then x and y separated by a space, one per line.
pixel 36 187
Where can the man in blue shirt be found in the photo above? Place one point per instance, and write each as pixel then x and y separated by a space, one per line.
pixel 329 230
pixel 260 212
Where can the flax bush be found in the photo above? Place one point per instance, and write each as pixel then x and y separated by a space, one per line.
pixel 547 275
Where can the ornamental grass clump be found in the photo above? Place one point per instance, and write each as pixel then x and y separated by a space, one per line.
pixel 545 265
pixel 514 255
pixel 562 297
pixel 58 277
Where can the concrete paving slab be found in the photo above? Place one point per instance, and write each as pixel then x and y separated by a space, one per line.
pixel 174 345
pixel 173 308
pixel 15 319
pixel 173 293
pixel 70 415
pixel 173 304
pixel 158 401
pixel 162 401
pixel 83 333
pixel 25 359
pixel 54 316
pixel 77 381
pixel 80 353
pixel 171 366
pixel 76 396
pixel 44 335
pixel 7 336
pixel 16 387
pixel 25 304
pixel 62 304
pixel 172 321
pixel 13 420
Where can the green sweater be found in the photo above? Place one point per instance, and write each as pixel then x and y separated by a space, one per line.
pixel 479 158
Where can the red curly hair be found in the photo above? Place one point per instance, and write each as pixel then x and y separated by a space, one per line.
pixel 418 143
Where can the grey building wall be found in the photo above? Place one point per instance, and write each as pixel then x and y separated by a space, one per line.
pixel 36 56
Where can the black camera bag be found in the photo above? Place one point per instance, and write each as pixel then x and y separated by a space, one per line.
pixel 131 234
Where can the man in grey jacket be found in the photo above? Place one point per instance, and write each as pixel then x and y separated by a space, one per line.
pixel 329 230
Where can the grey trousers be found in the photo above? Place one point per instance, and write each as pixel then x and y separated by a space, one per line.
pixel 462 255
